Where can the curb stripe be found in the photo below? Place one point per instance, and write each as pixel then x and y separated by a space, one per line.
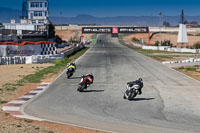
pixel 31 94
pixel 7 108
pixel 13 107
pixel 39 89
pixel 14 112
pixel 27 96
pixel 44 84
pixel 17 102
pixel 23 99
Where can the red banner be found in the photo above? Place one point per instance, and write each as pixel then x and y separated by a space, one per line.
pixel 25 43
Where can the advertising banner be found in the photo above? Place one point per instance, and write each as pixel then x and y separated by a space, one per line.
pixel 92 30
pixel 114 30
pixel 133 29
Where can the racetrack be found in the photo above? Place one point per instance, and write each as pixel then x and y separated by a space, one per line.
pixel 169 103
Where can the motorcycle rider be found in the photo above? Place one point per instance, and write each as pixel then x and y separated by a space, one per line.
pixel 138 82
pixel 72 65
pixel 88 78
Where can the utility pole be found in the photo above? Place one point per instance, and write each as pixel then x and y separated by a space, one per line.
pixel 61 19
pixel 182 17
pixel 161 15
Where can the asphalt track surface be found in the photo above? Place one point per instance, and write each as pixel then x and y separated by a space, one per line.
pixel 170 102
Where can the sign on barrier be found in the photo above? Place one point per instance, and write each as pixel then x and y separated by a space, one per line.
pixel 95 30
pixel 133 29
pixel 114 30
pixel 12 60
pixel 27 50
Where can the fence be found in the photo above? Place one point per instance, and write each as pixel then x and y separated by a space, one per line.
pixel 166 48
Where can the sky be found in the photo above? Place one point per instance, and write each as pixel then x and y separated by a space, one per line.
pixel 106 8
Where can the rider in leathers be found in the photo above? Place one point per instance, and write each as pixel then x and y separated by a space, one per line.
pixel 138 82
pixel 72 65
pixel 88 78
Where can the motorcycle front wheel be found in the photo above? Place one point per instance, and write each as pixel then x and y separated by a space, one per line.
pixel 69 74
pixel 80 88
pixel 132 95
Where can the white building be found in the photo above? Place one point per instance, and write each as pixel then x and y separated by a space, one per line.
pixel 36 11
pixel 34 17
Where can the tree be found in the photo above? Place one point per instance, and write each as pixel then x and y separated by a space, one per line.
pixel 58 39
pixel 165 23
pixel 1 24
pixel 51 30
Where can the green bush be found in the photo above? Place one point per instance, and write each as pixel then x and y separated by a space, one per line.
pixel 196 45
pixel 157 43
pixel 181 68
pixel 134 39
pixel 191 69
pixel 163 43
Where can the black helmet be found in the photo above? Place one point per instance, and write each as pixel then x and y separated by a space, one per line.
pixel 90 73
pixel 140 79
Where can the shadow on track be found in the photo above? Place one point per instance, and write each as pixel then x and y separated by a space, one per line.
pixel 75 77
pixel 93 91
pixel 142 99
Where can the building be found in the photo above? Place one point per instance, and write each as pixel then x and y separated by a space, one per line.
pixel 36 11
pixel 34 17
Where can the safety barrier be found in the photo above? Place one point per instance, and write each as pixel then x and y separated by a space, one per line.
pixel 73 50
pixel 169 49
pixel 12 60
pixel 27 48
pixel 46 58
pixel 6 60
pixel 190 60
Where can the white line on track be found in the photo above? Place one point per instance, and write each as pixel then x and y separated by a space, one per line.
pixel 7 108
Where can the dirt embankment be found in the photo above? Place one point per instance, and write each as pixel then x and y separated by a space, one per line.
pixel 11 73
pixel 163 36
pixel 68 35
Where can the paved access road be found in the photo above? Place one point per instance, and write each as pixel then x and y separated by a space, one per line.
pixel 170 102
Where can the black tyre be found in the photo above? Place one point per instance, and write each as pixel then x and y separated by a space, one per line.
pixel 80 88
pixel 69 74
pixel 124 96
pixel 132 95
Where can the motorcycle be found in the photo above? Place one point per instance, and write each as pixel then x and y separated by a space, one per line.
pixel 131 92
pixel 84 83
pixel 69 72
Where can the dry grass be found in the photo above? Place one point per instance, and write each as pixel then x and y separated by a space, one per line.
pixel 192 71
pixel 11 91
pixel 155 54
pixel 67 35
pixel 11 73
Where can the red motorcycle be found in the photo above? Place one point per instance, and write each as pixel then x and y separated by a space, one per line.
pixel 85 82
